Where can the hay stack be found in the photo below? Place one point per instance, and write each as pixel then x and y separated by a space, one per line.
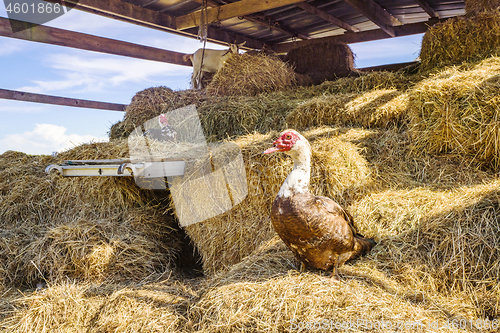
pixel 458 112
pixel 322 61
pixel 338 171
pixel 461 39
pixel 83 228
pixel 250 75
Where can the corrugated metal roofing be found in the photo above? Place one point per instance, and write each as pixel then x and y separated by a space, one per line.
pixel 287 23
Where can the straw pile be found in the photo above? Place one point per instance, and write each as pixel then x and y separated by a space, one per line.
pixel 461 39
pixel 406 171
pixel 322 61
pixel 250 75
pixel 457 112
pixel 53 228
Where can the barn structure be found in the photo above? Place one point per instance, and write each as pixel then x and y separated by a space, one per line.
pixel 281 25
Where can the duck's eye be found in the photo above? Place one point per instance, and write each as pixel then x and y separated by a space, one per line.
pixel 288 137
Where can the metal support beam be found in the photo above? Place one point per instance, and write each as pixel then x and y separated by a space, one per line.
pixel 56 100
pixel 378 15
pixel 55 36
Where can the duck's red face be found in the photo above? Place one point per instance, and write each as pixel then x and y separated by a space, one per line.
pixel 284 143
pixel 162 119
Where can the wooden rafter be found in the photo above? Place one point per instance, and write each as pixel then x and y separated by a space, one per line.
pixel 262 21
pixel 378 15
pixel 363 36
pixel 125 11
pixel 325 16
pixel 55 36
pixel 56 100
pixel 427 8
pixel 156 20
pixel 277 26
pixel 225 12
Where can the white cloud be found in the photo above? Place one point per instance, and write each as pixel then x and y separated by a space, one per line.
pixel 44 139
pixel 9 46
pixel 93 73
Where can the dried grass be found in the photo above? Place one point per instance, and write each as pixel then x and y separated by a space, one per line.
pixel 461 39
pixel 434 215
pixel 457 112
pixel 250 75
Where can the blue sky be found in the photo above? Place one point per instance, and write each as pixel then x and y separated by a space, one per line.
pixel 48 69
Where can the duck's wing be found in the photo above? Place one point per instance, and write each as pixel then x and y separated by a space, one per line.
pixel 334 208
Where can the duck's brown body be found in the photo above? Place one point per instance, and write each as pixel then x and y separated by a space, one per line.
pixel 319 232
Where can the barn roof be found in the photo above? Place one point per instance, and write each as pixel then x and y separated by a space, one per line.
pixel 282 24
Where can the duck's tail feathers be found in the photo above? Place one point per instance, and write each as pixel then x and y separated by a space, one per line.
pixel 362 245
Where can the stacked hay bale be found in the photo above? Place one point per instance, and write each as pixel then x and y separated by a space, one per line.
pixel 250 75
pixel 54 228
pixel 322 61
pixel 461 39
pixel 457 112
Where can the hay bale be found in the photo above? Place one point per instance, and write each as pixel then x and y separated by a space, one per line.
pixel 456 112
pixel 150 103
pixel 250 75
pixel 339 171
pixel 377 108
pixel 88 228
pixel 461 39
pixel 475 7
pixel 104 308
pixel 322 61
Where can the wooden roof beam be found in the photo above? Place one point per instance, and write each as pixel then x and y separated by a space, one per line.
pixel 263 22
pixel 378 15
pixel 363 36
pixel 225 12
pixel 427 8
pixel 325 16
pixel 124 11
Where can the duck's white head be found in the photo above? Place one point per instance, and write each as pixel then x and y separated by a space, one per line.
pixel 291 143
